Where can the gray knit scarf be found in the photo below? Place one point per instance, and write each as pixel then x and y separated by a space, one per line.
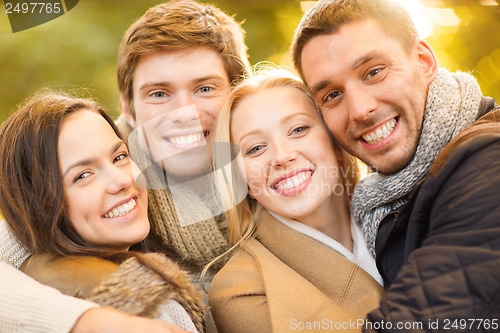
pixel 192 244
pixel 453 102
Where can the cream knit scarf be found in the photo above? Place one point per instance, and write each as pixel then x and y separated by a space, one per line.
pixel 452 104
pixel 192 244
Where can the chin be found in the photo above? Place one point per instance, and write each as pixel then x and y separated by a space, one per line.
pixel 184 168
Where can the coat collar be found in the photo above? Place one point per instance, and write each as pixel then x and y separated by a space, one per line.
pixel 306 280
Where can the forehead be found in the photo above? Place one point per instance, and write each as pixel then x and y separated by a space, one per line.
pixel 344 48
pixel 179 65
pixel 83 132
pixel 268 107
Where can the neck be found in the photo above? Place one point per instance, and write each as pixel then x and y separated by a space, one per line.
pixel 333 219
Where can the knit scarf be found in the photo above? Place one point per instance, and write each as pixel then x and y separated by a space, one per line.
pixel 192 243
pixel 452 104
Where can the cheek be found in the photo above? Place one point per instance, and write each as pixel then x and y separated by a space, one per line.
pixel 82 207
pixel 76 217
pixel 144 112
pixel 71 207
pixel 256 178
pixel 210 110
pixel 336 124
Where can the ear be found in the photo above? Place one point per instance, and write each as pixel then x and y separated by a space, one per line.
pixel 126 112
pixel 428 63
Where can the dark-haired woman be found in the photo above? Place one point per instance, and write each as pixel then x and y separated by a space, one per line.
pixel 68 194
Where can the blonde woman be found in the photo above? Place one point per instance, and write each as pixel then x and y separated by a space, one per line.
pixel 301 263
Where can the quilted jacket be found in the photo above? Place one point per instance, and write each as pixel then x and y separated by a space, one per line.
pixel 440 253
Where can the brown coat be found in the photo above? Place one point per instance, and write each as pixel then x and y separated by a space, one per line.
pixel 284 281
pixel 137 286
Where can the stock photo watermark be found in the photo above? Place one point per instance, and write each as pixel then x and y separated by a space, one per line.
pixel 27 14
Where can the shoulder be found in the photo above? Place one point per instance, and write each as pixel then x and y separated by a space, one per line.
pixel 237 295
pixel 242 267
pixel 72 275
pixel 457 192
pixel 480 137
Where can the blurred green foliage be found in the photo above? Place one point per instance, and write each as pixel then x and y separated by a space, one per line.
pixel 77 51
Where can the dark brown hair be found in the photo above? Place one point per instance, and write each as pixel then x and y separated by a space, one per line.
pixel 327 16
pixel 31 190
pixel 178 25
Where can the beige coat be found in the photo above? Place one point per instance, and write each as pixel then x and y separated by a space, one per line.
pixel 284 281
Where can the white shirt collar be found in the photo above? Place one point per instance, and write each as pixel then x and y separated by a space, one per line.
pixel 359 255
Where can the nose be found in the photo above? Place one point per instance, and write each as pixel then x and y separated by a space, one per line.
pixel 185 111
pixel 119 179
pixel 361 103
pixel 284 155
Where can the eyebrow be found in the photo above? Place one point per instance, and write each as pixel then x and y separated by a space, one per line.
pixel 88 161
pixel 166 84
pixel 208 77
pixel 282 121
pixel 357 63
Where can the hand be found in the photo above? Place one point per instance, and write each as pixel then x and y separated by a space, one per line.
pixel 104 320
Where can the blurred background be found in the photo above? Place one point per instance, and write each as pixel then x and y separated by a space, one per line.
pixel 77 51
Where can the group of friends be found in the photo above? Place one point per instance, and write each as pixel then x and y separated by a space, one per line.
pixel 120 225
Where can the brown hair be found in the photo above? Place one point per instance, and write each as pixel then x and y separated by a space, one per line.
pixel 178 25
pixel 327 16
pixel 31 190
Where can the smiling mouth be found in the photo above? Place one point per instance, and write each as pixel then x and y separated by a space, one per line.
pixel 121 210
pixel 380 133
pixel 190 139
pixel 291 182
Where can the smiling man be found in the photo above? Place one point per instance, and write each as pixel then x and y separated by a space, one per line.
pixel 430 211
pixel 176 64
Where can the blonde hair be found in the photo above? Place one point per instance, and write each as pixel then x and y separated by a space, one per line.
pixel 241 217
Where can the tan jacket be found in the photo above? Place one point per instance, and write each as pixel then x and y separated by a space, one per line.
pixel 137 286
pixel 284 281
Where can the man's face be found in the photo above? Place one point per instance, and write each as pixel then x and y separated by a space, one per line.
pixel 177 96
pixel 370 90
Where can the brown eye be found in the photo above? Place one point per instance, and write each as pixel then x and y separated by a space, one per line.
pixel 373 73
pixel 120 157
pixel 81 176
pixel 332 96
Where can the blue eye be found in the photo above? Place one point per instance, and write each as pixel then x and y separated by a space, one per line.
pixel 254 149
pixel 159 94
pixel 205 89
pixel 300 129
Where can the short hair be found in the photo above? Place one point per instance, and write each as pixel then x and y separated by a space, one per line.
pixel 31 188
pixel 179 25
pixel 327 16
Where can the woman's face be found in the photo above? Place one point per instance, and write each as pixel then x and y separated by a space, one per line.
pixel 104 204
pixel 290 162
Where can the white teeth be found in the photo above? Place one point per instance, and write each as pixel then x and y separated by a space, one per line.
pixel 121 210
pixel 380 133
pixel 186 139
pixel 294 181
